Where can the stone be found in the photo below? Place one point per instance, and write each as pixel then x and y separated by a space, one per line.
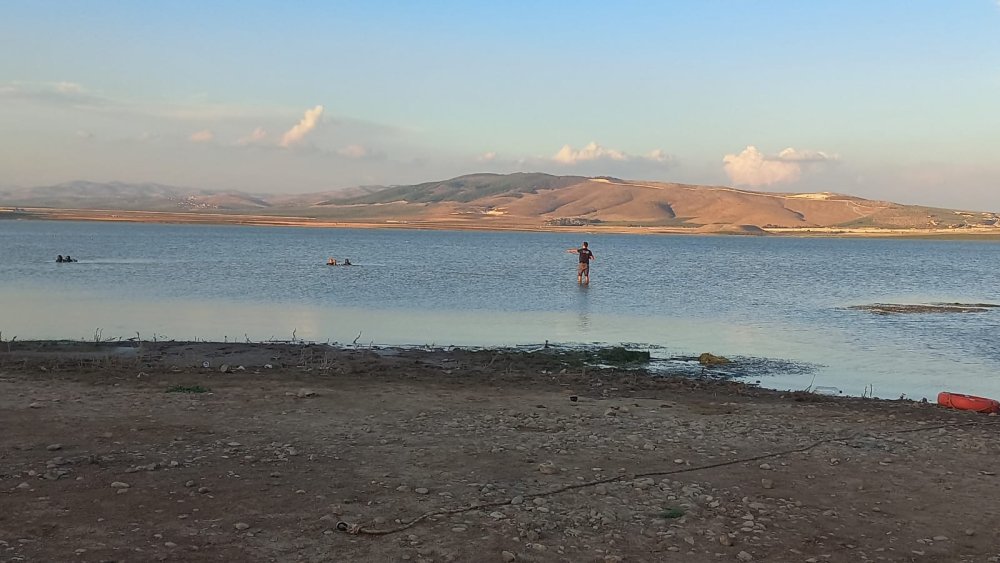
pixel 508 556
pixel 119 485
pixel 53 447
pixel 241 525
pixel 548 468
pixel 517 500
pixel 421 490
pixel 767 483
pixel 744 556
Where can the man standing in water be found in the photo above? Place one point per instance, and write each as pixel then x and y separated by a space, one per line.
pixel 583 269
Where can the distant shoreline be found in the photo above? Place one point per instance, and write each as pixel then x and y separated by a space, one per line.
pixel 464 224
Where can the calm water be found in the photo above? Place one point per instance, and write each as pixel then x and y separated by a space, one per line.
pixel 776 298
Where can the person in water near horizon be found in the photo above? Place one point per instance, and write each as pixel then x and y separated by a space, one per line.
pixel 331 261
pixel 59 259
pixel 347 262
pixel 583 268
pixel 68 259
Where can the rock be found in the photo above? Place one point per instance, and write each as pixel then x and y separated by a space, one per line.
pixel 303 393
pixel 204 490
pixel 169 544
pixel 421 490
pixel 548 468
pixel 241 525
pixel 224 368
pixel 744 556
pixel 767 483
pixel 708 359
pixel 24 485
pixel 53 447
pixel 970 532
pixel 765 466
pixel 508 556
pixel 119 485
pixel 517 500
pixel 189 483
pixel 940 538
pixel 725 540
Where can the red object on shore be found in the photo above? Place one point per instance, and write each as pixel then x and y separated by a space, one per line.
pixel 968 402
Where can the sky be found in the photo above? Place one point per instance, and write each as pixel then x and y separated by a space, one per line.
pixel 887 99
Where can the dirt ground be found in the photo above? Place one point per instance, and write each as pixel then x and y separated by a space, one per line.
pixel 129 452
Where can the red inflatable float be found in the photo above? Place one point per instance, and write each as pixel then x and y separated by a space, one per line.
pixel 968 402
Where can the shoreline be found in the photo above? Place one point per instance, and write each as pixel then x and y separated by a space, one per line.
pixel 487 224
pixel 137 451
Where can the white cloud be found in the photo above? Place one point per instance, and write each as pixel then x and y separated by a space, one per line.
pixel 255 136
pixel 203 136
pixel 659 155
pixel 596 153
pixel 753 168
pixel 593 151
pixel 487 157
pixel 303 127
pixel 353 151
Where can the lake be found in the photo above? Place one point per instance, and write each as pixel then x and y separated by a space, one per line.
pixel 780 303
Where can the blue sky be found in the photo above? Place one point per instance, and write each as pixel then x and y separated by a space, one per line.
pixel 891 100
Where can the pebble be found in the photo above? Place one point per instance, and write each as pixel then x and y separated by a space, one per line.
pixel 119 485
pixel 744 556
pixel 767 483
pixel 508 556
pixel 548 468
pixel 517 500
pixel 241 525
pixel 53 447
pixel 421 490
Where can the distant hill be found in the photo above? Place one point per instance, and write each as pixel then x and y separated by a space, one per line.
pixel 123 196
pixel 522 200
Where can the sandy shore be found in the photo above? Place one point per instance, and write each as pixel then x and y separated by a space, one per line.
pixel 464 223
pixel 131 452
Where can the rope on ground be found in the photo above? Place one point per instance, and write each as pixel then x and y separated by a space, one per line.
pixel 357 529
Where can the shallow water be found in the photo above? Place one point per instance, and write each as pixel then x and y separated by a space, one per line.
pixel 768 297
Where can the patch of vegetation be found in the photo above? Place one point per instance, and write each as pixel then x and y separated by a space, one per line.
pixel 621 355
pixel 188 389
pixel 672 513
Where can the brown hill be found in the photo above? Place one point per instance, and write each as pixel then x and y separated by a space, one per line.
pixel 527 200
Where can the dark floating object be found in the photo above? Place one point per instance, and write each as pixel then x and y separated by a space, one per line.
pixel 898 308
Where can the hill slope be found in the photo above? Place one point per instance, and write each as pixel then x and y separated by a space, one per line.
pixel 523 200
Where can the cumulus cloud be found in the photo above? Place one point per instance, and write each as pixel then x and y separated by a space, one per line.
pixel 593 151
pixel 256 136
pixel 303 127
pixel 753 168
pixel 353 151
pixel 203 136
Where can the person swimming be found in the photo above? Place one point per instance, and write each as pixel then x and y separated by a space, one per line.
pixel 331 261
pixel 59 259
pixel 347 262
pixel 68 259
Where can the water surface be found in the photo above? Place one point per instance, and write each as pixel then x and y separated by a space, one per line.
pixel 767 297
